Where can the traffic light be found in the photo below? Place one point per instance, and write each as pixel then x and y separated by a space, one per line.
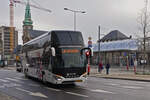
pixel 87 53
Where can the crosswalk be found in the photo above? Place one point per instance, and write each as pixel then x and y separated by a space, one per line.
pixel 18 82
pixel 21 80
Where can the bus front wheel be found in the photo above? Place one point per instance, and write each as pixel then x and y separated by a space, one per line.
pixel 44 79
pixel 25 73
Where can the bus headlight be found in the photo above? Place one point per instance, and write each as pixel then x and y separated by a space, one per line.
pixel 84 74
pixel 58 77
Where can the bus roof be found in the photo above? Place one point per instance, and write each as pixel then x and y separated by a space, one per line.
pixel 36 38
pixel 47 34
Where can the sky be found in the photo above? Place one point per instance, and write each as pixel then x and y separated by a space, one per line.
pixel 111 15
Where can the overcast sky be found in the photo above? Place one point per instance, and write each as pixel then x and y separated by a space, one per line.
pixel 110 14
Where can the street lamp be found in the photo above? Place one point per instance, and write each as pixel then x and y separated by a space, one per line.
pixel 99 34
pixel 74 11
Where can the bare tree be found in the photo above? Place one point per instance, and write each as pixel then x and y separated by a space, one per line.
pixel 144 21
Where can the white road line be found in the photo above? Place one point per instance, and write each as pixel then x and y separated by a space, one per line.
pixel 11 85
pixel 2 86
pixel 53 89
pixel 35 85
pixel 131 87
pixel 14 80
pixel 4 80
pixel 76 94
pixel 102 91
pixel 20 78
pixel 23 90
pixel 37 94
pixel 113 84
pixel 142 82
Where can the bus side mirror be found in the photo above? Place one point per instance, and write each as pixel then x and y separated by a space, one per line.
pixel 88 52
pixel 53 51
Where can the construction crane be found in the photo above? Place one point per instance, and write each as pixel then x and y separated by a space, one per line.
pixel 11 6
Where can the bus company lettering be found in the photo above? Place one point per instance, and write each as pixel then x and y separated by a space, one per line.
pixel 71 75
pixel 70 51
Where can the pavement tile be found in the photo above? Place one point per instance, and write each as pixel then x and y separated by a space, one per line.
pixel 120 74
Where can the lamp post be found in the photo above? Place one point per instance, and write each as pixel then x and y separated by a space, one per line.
pixel 74 11
pixel 98 44
pixel 99 37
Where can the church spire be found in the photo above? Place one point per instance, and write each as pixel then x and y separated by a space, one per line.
pixel 27 20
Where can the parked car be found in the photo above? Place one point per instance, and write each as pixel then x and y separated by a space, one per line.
pixel 2 63
pixel 19 67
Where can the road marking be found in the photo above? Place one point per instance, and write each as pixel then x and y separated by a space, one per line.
pixel 23 90
pixel 35 85
pixel 2 86
pixel 142 82
pixel 113 84
pixel 76 94
pixel 11 85
pixel 4 80
pixel 20 78
pixel 37 94
pixel 14 80
pixel 102 91
pixel 53 89
pixel 131 87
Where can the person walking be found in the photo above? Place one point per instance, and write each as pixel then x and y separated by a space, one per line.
pixel 100 67
pixel 107 68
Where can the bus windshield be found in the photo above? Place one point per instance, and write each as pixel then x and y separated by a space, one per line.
pixel 72 60
pixel 67 38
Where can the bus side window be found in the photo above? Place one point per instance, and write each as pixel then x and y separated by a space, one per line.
pixel 46 58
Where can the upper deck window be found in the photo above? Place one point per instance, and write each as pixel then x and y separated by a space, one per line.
pixel 67 38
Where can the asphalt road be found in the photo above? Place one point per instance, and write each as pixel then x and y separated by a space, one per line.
pixel 16 85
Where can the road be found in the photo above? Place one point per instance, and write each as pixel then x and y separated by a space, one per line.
pixel 16 85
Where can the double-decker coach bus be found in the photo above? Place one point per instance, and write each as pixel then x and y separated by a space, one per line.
pixel 56 57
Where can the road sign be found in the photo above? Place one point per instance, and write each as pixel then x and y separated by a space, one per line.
pixel 89 43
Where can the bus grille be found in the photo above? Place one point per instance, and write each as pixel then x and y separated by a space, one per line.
pixel 72 76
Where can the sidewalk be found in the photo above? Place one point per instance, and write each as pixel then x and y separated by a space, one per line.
pixel 8 67
pixel 117 73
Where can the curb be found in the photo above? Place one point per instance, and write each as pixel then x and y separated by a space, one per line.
pixel 122 78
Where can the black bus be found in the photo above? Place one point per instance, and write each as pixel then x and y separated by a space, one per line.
pixel 56 57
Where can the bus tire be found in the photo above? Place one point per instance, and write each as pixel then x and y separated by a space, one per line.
pixel 44 79
pixel 25 73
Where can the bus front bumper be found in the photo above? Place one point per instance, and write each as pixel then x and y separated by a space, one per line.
pixel 70 80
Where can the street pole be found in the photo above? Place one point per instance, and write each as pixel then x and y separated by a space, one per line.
pixel 74 21
pixel 98 43
pixel 74 11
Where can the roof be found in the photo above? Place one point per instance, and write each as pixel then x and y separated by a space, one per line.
pixel 114 35
pixel 35 33
pixel 128 44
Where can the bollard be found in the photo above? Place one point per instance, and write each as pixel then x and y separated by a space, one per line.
pixel 127 68
pixel 88 69
pixel 135 69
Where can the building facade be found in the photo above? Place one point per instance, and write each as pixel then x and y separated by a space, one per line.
pixel 5 52
pixel 28 32
pixel 115 48
pixel 120 50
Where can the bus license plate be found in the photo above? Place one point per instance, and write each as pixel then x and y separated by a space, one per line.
pixel 78 81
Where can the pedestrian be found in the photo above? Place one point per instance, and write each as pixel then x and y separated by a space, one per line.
pixel 107 68
pixel 100 67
